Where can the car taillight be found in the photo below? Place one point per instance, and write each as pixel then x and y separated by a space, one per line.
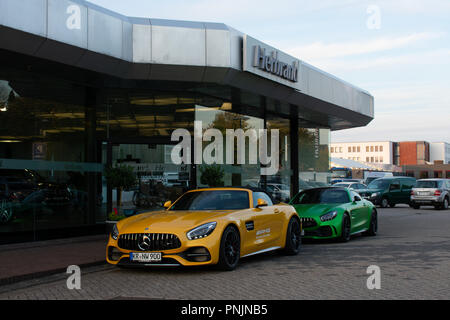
pixel 437 193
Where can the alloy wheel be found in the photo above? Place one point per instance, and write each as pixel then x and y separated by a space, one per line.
pixel 296 236
pixel 232 248
pixel 345 233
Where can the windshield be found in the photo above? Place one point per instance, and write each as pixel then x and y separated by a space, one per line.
pixel 343 185
pixel 378 184
pixel 316 196
pixel 428 184
pixel 213 200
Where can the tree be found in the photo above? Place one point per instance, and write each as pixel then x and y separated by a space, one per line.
pixel 120 177
pixel 212 176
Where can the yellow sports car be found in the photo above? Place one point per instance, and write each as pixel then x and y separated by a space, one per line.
pixel 206 227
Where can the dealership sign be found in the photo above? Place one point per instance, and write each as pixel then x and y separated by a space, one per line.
pixel 270 63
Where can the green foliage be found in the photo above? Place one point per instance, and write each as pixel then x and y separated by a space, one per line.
pixel 120 177
pixel 212 176
pixel 115 217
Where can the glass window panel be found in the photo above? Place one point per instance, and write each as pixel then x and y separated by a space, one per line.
pixel 45 180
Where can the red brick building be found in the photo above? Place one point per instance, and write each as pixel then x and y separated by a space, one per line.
pixel 413 152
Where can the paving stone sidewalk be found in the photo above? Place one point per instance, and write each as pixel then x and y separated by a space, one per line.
pixel 26 261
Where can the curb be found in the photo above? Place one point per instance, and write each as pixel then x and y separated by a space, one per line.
pixel 32 276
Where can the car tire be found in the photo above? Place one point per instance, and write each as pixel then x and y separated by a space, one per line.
pixel 445 204
pixel 373 227
pixel 230 249
pixel 346 227
pixel 384 202
pixel 293 237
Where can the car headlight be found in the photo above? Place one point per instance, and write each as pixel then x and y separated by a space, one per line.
pixel 328 216
pixel 115 232
pixel 375 194
pixel 201 231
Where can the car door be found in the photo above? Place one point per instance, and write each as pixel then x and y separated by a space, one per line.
pixel 268 222
pixel 406 187
pixel 358 212
pixel 395 194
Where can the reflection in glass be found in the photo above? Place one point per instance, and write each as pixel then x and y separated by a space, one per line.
pixel 235 174
pixel 279 185
pixel 314 165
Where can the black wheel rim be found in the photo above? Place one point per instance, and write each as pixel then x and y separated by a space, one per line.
pixel 295 234
pixel 346 228
pixel 232 248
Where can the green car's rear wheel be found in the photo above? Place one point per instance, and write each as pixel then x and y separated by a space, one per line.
pixel 373 227
pixel 230 249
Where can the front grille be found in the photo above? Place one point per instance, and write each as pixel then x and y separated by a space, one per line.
pixel 324 231
pixel 148 241
pixel 308 222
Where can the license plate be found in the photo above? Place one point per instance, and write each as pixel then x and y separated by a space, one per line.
pixel 146 256
pixel 422 193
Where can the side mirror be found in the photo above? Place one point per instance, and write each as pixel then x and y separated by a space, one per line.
pixel 167 204
pixel 261 203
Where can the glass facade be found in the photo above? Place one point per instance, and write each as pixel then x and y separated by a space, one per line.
pixel 234 172
pixel 314 158
pixel 46 180
pixel 59 136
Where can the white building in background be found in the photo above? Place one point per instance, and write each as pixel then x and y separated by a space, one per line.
pixel 440 151
pixel 377 152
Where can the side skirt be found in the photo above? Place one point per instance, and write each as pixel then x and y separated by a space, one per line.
pixel 360 231
pixel 261 251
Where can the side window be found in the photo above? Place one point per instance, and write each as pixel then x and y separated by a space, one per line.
pixel 261 195
pixel 407 185
pixel 395 186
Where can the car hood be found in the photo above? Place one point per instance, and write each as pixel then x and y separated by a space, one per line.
pixel 368 191
pixel 168 221
pixel 314 210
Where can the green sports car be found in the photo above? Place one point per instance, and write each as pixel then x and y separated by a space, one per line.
pixel 334 212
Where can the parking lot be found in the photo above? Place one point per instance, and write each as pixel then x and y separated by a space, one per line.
pixel 412 250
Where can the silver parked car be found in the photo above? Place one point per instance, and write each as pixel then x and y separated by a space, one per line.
pixel 431 192
pixel 356 186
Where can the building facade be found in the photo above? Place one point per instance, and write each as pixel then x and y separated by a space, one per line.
pixel 83 89
pixel 413 152
pixel 440 151
pixel 392 153
pixel 379 152
pixel 426 171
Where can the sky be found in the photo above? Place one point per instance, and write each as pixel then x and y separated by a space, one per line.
pixel 397 50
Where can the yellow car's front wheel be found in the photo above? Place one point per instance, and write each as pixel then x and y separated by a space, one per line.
pixel 230 249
